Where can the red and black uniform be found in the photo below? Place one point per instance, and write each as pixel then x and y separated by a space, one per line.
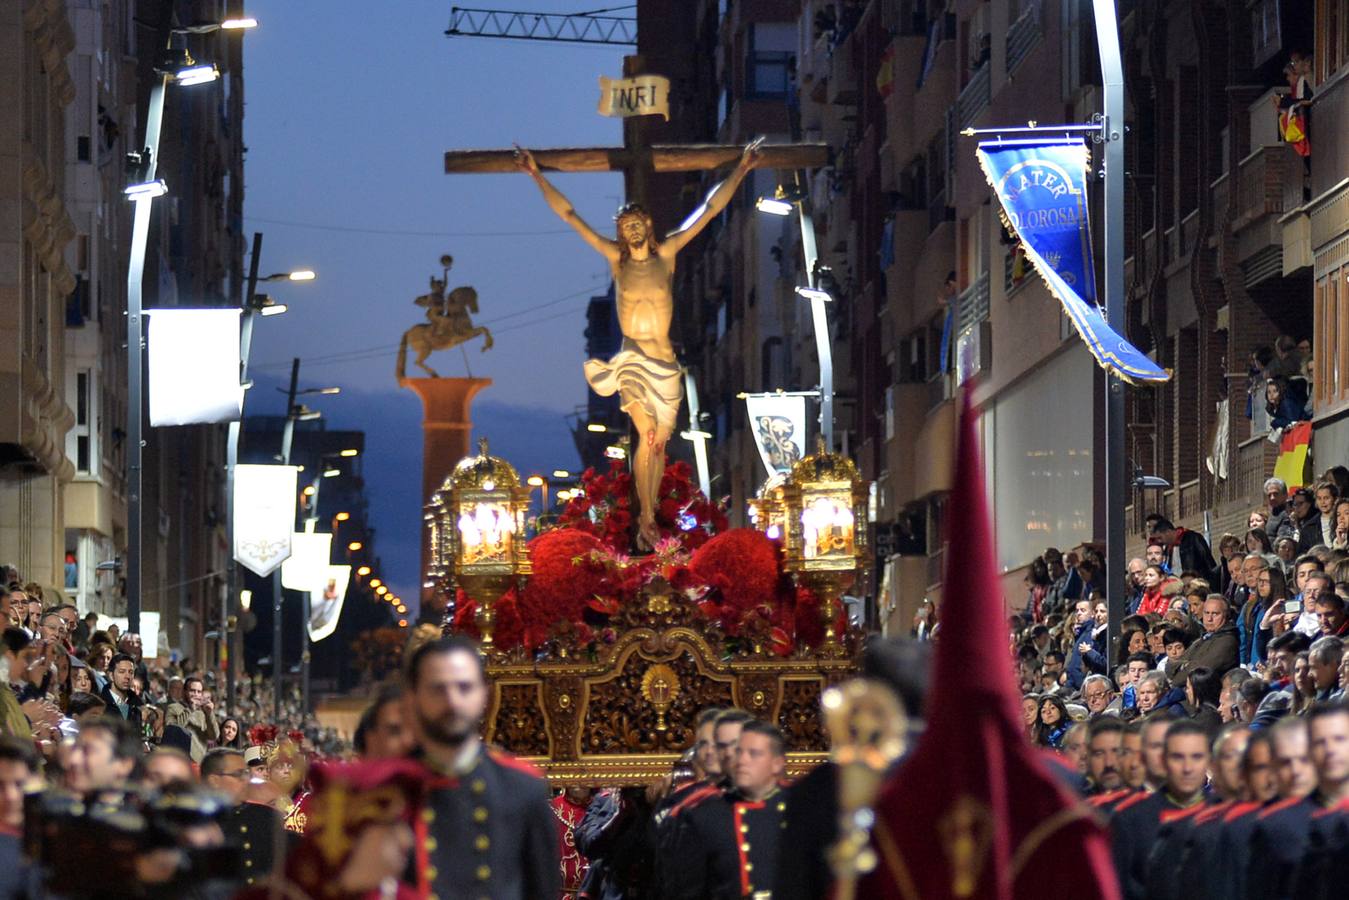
pixel 1324 869
pixel 1134 828
pixel 724 846
pixel 487 832
pixel 1277 845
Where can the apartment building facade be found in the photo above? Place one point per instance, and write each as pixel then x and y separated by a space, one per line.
pixel 1228 247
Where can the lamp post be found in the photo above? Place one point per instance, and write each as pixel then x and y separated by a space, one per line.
pixel 254 305
pixel 311 523
pixel 144 187
pixel 538 481
pixel 1116 484
pixel 294 413
pixel 826 540
pixel 784 202
pixel 486 506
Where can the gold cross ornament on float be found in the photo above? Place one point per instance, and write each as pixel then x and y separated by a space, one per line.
pixel 826 543
pixel 484 527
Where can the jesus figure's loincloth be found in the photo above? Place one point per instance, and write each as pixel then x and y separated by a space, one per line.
pixel 652 385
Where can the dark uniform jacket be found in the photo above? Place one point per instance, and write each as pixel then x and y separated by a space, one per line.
pixel 725 846
pixel 1323 870
pixel 1133 831
pixel 488 833
pixel 1163 866
pixel 1199 856
pixel 617 835
pixel 255 829
pixel 1277 845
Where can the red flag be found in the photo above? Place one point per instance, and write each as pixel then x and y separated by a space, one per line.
pixel 974 812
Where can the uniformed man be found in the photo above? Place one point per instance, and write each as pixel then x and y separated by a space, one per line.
pixel 1166 861
pixel 1281 836
pixel 1325 864
pixel 1201 858
pixel 486 829
pixel 726 843
pixel 1136 821
pixel 1105 762
pixel 255 828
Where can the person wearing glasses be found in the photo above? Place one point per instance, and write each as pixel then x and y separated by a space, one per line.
pixel 252 827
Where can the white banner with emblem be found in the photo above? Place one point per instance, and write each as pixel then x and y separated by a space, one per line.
pixel 264 516
pixel 643 95
pixel 325 606
pixel 778 424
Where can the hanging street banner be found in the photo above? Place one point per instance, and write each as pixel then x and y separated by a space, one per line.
pixel 778 423
pixel 1042 186
pixel 194 366
pixel 264 516
pixel 644 95
pixel 325 606
pixel 307 568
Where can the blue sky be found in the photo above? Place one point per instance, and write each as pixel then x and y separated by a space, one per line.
pixel 350 107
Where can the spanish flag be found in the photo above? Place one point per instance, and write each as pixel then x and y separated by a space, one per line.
pixel 885 72
pixel 1294 448
pixel 975 812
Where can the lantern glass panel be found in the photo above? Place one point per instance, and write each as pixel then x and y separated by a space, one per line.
pixel 828 527
pixel 486 532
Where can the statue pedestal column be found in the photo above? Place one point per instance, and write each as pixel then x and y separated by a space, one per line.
pixel 446 429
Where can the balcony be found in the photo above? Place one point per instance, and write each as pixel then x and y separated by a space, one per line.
pixel 1023 36
pixel 974 97
pixel 1268 182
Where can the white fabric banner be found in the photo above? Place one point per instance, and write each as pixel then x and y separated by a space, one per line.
pixel 778 424
pixel 264 516
pixel 325 606
pixel 194 366
pixel 307 568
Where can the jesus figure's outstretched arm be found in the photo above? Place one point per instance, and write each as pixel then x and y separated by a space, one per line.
pixel 525 162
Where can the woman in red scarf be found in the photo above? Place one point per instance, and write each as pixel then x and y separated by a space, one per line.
pixel 1154 579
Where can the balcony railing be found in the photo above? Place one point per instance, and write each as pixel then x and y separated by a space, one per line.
pixel 1261 178
pixel 1190 503
pixel 1023 36
pixel 973 97
pixel 972 304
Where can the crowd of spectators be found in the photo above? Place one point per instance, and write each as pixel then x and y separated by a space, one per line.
pixel 1230 656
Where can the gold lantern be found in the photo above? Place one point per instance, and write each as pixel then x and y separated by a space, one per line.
pixel 768 511
pixel 484 524
pixel 825 502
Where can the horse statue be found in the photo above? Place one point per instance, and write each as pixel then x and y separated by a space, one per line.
pixel 447 323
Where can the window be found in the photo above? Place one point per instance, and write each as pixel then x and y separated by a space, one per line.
pixel 1265 39
pixel 1332 37
pixel 771 57
pixel 1330 387
pixel 83 432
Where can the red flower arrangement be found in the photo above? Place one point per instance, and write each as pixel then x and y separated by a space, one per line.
pixel 741 569
pixel 569 574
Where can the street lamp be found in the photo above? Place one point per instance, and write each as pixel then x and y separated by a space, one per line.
pixel 297 275
pixel 486 504
pixel 144 189
pixel 826 539
pixel 239 23
pixel 784 200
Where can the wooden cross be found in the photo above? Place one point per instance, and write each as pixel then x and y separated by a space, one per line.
pixel 638 158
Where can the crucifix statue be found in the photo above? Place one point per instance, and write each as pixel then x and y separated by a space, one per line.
pixel 644 373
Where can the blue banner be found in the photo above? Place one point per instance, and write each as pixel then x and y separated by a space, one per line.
pixel 1042 186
